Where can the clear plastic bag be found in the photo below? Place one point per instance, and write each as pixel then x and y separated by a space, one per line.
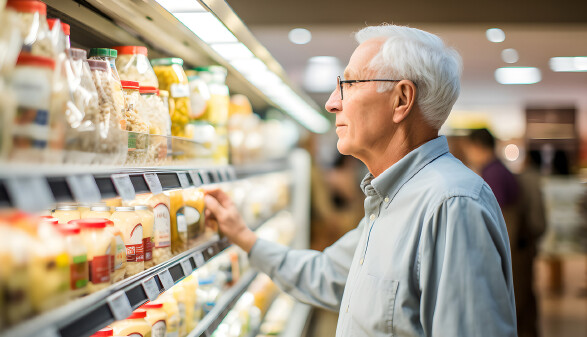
pixel 133 65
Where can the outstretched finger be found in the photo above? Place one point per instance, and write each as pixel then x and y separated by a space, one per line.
pixel 213 205
pixel 220 196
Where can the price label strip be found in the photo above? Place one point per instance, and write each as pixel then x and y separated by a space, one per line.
pixel 123 186
pixel 30 194
pixel 224 174
pixel 198 259
pixel 231 173
pixel 196 178
pixel 119 305
pixel 183 180
pixel 166 279
pixel 216 174
pixel 49 331
pixel 186 265
pixel 153 182
pixel 151 289
pixel 204 176
pixel 84 188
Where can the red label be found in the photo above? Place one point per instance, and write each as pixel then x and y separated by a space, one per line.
pixel 79 275
pixel 100 269
pixel 148 244
pixel 135 253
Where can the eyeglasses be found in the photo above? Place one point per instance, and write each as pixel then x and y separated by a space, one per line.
pixel 341 82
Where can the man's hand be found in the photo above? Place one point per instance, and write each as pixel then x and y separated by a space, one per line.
pixel 220 208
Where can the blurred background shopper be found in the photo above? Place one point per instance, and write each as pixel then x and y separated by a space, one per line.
pixel 431 256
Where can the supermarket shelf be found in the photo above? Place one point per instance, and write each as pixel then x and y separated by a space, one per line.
pixel 297 325
pixel 86 315
pixel 210 322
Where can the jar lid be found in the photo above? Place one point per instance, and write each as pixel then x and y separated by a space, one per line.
pixel 167 61
pixel 151 305
pixel 103 52
pixel 139 313
pixel 106 332
pixel 131 50
pixel 66 29
pixel 134 85
pixel 49 219
pixel 91 223
pixel 148 90
pixel 69 229
pixel 100 208
pixel 28 6
pixel 66 208
pixel 141 207
pixel 99 65
pixel 125 209
pixel 32 60
pixel 163 93
pixel 77 54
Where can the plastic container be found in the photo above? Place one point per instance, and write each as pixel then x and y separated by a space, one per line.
pixel 172 78
pixel 157 317
pixel 78 254
pixel 109 55
pixel 150 107
pixel 148 221
pixel 118 260
pixel 134 122
pixel 134 325
pixel 193 309
pixel 194 215
pixel 65 28
pixel 133 65
pixel 33 26
pixel 172 310
pixel 185 314
pixel 129 223
pixel 179 231
pixel 106 332
pixel 99 244
pixel 66 213
pixel 101 211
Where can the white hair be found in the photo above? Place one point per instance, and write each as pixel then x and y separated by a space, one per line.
pixel 422 57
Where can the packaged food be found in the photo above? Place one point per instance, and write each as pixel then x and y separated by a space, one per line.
pixel 148 221
pixel 66 213
pixel 112 145
pixel 32 84
pixel 194 215
pixel 106 332
pixel 179 232
pixel 33 26
pixel 172 78
pixel 134 122
pixel 151 108
pixel 78 254
pixel 65 29
pixel 118 260
pixel 134 325
pixel 98 241
pixel 129 223
pixel 157 317
pixel 133 65
pixel 178 292
pixel 109 55
pixel 172 310
pixel 160 203
pixel 199 96
pixel 97 211
pixel 193 310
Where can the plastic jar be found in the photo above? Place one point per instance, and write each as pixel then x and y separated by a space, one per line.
pixel 179 230
pixel 172 310
pixel 194 215
pixel 101 211
pixel 133 65
pixel 32 84
pixel 157 317
pixel 193 311
pixel 33 27
pixel 134 122
pixel 66 213
pixel 118 260
pixel 65 28
pixel 152 108
pixel 172 78
pixel 148 221
pixel 185 314
pixel 106 332
pixel 134 325
pixel 109 55
pixel 129 223
pixel 98 241
pixel 78 254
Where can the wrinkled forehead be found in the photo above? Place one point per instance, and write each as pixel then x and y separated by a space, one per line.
pixel 360 60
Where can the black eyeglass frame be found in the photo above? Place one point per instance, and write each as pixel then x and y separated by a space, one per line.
pixel 341 82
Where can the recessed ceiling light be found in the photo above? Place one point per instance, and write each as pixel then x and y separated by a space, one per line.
pixel 495 35
pixel 518 75
pixel 511 152
pixel 300 36
pixel 577 63
pixel 510 55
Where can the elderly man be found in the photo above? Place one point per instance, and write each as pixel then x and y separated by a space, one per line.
pixel 431 256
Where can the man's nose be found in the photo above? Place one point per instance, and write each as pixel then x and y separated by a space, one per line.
pixel 334 103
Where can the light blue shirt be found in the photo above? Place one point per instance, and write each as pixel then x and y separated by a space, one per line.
pixel 431 257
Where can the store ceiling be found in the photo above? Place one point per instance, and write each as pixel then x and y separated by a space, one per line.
pixel 538 30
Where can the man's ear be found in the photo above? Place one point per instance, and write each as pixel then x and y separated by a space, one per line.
pixel 404 101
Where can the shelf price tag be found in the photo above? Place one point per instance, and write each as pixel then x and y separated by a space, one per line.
pixel 186 265
pixel 153 182
pixel 195 178
pixel 224 174
pixel 151 289
pixel 84 188
pixel 49 331
pixel 231 173
pixel 216 176
pixel 198 259
pixel 183 180
pixel 30 194
pixel 119 305
pixel 166 279
pixel 123 186
pixel 205 177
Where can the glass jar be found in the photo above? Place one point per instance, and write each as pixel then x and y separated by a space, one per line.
pixel 157 317
pixel 118 260
pixel 134 122
pixel 179 231
pixel 133 325
pixel 133 65
pixel 194 215
pixel 98 241
pixel 101 211
pixel 78 254
pixel 172 310
pixel 66 213
pixel 129 223
pixel 106 332
pixel 151 108
pixel 109 55
pixel 172 78
pixel 33 27
pixel 148 221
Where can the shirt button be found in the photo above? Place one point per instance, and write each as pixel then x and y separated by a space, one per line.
pixel 386 199
pixel 361 261
pixel 372 217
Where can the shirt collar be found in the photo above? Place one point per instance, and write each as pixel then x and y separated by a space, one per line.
pixel 388 183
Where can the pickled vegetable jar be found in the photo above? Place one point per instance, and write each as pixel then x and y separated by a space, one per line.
pixel 172 78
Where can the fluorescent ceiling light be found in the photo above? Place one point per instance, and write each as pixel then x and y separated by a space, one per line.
pixel 510 55
pixel 320 74
pixel 232 51
pixel 495 35
pixel 178 6
pixel 249 66
pixel 207 27
pixel 568 64
pixel 518 75
pixel 299 36
pixel 265 79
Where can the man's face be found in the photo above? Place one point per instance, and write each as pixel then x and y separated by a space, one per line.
pixel 363 118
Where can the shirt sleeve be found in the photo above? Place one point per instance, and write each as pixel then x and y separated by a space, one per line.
pixel 465 271
pixel 313 277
